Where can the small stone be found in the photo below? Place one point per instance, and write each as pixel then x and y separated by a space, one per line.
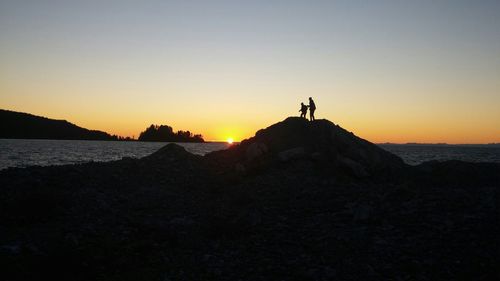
pixel 256 150
pixel 290 154
pixel 357 169
pixel 240 168
pixel 362 212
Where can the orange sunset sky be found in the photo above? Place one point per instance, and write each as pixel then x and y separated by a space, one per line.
pixel 390 71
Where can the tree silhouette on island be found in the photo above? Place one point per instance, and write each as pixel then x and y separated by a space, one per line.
pixel 19 125
pixel 165 133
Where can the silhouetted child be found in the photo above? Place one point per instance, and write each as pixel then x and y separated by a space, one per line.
pixel 312 108
pixel 303 110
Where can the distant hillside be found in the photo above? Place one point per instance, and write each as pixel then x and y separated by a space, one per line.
pixel 18 125
pixel 166 133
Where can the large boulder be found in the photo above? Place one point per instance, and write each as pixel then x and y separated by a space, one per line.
pixel 170 152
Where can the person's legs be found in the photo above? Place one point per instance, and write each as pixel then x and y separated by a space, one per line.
pixel 311 115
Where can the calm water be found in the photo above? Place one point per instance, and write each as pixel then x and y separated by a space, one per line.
pixel 22 153
pixel 416 154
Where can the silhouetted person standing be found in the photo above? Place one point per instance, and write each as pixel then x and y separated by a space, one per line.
pixel 303 110
pixel 312 108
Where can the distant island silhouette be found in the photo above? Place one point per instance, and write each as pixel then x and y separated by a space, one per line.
pixel 165 133
pixel 19 125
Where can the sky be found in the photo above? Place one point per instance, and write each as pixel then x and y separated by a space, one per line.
pixel 390 71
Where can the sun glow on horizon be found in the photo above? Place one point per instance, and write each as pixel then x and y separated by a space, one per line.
pixel 387 71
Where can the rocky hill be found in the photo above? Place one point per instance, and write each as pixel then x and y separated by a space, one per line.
pixel 298 201
pixel 329 146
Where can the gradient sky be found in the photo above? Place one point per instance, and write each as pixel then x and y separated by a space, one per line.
pixel 390 71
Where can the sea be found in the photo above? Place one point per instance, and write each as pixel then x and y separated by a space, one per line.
pixel 24 153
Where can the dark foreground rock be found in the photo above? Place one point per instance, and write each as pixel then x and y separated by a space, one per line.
pixel 299 201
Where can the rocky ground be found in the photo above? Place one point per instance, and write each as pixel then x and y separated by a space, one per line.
pixel 299 201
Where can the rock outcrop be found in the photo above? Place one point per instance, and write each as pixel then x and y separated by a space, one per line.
pixel 321 141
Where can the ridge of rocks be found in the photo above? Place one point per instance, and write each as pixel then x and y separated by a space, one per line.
pixel 321 141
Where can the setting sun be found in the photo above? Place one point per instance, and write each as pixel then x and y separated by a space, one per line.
pixel 230 140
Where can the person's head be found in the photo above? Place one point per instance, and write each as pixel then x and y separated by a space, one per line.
pixel 301 103
pixel 310 98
